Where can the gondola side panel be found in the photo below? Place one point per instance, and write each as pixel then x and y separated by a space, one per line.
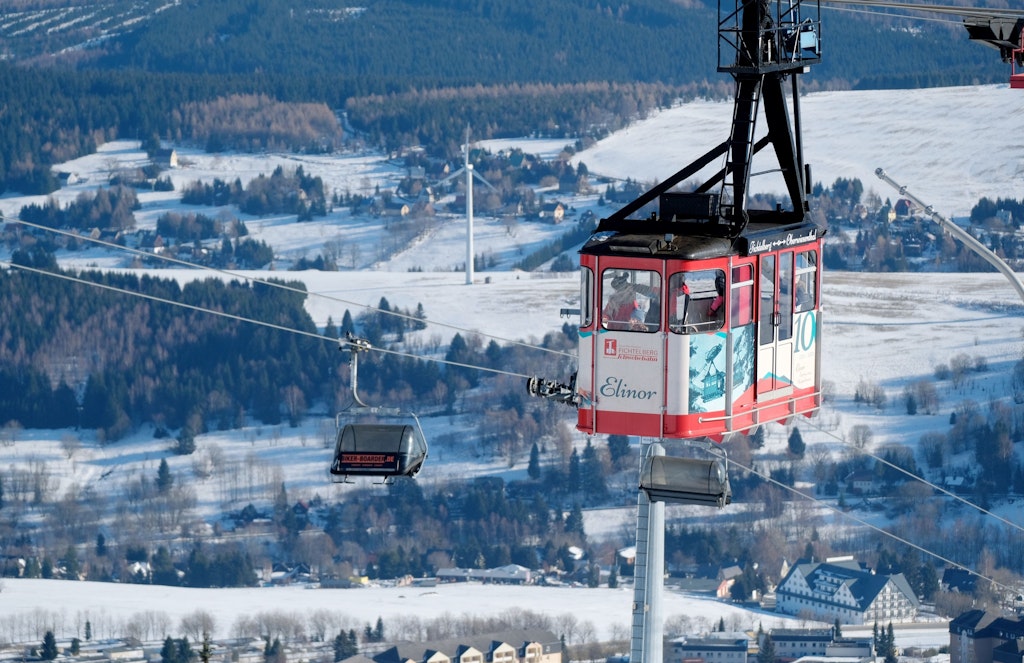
pixel 805 352
pixel 585 382
pixel 628 383
pixel 742 371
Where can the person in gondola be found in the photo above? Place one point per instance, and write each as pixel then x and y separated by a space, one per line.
pixel 623 309
pixel 716 308
pixel 629 305
pixel 678 302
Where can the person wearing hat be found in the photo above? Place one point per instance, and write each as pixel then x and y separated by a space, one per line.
pixel 623 310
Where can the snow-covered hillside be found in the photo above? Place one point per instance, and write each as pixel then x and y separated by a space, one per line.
pixel 950 146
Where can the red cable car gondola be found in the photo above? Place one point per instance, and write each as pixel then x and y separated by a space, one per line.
pixel 703 317
pixel 688 337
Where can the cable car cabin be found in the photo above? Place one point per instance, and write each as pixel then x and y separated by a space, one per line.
pixel 685 481
pixel 379 450
pixel 687 336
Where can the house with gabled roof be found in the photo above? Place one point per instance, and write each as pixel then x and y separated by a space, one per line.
pixel 1011 651
pixel 716 648
pixel 792 643
pixel 841 589
pixel 977 636
pixel 512 646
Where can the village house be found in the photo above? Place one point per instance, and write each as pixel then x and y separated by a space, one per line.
pixel 730 648
pixel 791 643
pixel 840 589
pixel 510 574
pixel 514 646
pixel 978 636
pixel 166 158
pixel 553 212
pixel 861 482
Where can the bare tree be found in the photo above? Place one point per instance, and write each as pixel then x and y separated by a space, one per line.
pixel 860 435
pixel 70 444
pixel 196 623
pixel 959 366
pixel 9 434
pixel 566 624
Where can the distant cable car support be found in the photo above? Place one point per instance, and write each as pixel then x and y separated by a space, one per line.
pixel 968 240
pixel 376 441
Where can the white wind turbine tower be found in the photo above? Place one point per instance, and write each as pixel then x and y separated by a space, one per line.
pixel 467 168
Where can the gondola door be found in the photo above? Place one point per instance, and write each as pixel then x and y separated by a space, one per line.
pixel 775 326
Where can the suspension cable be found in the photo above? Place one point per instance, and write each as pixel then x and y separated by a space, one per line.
pixel 915 477
pixel 275 284
pixel 239 318
pixel 860 521
pixel 937 9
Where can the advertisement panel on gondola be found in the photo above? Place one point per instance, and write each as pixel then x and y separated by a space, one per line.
pixel 355 462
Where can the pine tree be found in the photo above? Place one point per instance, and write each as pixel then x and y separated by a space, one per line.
pixel 49 651
pixel 618 447
pixel 837 630
pixel 186 442
pixel 797 447
pixel 593 575
pixel 185 653
pixel 575 478
pixel 330 330
pixel 169 653
pixel 378 631
pixel 164 572
pixel 70 563
pixel 574 521
pixel 533 468
pixel 890 645
pixel 421 318
pixel 164 478
pixel 766 653
pixel 88 630
pixel 592 474
pixel 76 646
pixel 340 647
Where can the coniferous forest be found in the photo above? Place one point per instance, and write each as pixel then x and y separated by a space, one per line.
pixel 398 68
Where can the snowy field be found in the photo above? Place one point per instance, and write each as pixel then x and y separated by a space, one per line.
pixel 108 606
pixel 66 607
pixel 950 146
